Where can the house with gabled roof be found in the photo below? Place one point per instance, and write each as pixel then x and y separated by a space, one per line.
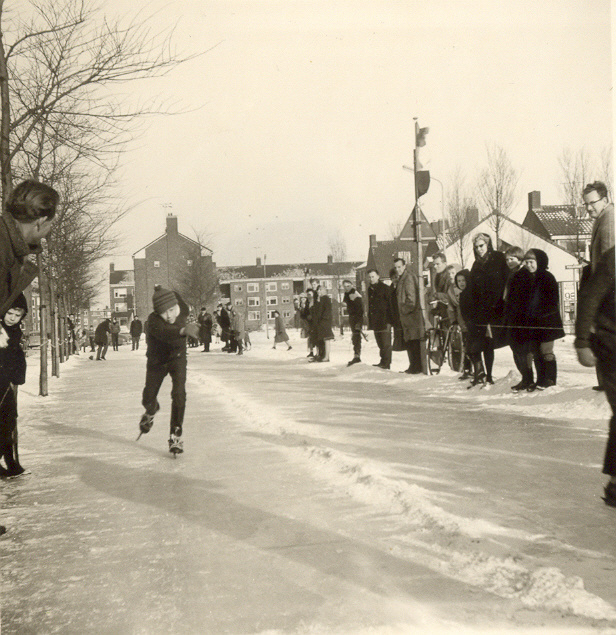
pixel 175 262
pixel 569 226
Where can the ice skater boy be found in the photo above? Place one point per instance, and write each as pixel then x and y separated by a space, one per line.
pixel 12 373
pixel 166 332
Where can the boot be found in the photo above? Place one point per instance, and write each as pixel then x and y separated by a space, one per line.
pixel 540 367
pixel 550 373
pixel 13 468
pixel 479 374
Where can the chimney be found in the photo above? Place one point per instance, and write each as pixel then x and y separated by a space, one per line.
pixel 372 241
pixel 534 200
pixel 330 260
pixel 258 262
pixel 111 267
pixel 172 224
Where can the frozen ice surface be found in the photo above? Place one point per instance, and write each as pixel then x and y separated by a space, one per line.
pixel 312 498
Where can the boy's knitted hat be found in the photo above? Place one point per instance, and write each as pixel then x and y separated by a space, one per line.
pixel 163 299
pixel 20 303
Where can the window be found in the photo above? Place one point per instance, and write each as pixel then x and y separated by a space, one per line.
pixel 252 287
pixel 284 286
pixel 327 284
pixel 157 263
pixel 272 300
pixel 237 288
pixel 119 293
pixel 270 315
pixel 189 263
pixel 271 286
pixel 239 301
pixel 286 299
pixel 286 314
pixel 119 307
pixel 254 301
pixel 254 316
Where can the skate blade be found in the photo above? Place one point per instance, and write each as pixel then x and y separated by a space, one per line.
pixel 139 437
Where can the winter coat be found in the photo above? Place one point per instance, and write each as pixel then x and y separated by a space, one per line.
pixel 355 309
pixel 101 334
pixel 516 302
pixel 488 278
pixel 379 307
pixel 397 343
pixel 322 319
pixel 164 341
pixel 280 330
pixel 13 358
pixel 205 326
pixel 114 328
pixel 596 306
pixel 237 325
pixel 544 318
pixel 602 237
pixel 409 306
pixel 136 328
pixel 439 291
pixel 16 271
pixel 464 304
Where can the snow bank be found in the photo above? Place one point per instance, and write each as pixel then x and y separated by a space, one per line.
pixel 443 541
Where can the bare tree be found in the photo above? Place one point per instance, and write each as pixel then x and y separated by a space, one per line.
pixel 395 229
pixel 62 120
pixel 338 252
pixel 198 282
pixel 461 214
pixel 497 187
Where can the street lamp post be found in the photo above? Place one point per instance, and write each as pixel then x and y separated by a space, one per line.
pixel 442 210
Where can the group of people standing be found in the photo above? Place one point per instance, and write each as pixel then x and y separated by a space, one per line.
pixel 316 319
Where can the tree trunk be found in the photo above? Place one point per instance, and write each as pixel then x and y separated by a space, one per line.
pixel 55 365
pixel 44 312
pixel 5 122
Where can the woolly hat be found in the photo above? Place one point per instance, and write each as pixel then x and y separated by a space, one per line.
pixel 163 299
pixel 20 303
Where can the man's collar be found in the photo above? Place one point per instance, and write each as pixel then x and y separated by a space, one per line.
pixel 20 246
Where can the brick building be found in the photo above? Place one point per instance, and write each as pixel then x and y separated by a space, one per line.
pixel 258 290
pixel 122 294
pixel 175 262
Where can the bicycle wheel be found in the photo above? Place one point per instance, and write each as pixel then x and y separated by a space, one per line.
pixel 455 349
pixel 435 350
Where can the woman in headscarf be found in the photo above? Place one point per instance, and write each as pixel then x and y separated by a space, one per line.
pixel 544 321
pixel 488 277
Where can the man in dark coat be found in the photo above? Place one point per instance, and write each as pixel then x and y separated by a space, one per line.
pixel 596 311
pixel 379 316
pixel 136 329
pixel 205 328
pixel 596 202
pixel 411 315
pixel 355 310
pixel 101 339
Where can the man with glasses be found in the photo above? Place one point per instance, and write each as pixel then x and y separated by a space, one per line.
pixel 602 238
pixel 602 212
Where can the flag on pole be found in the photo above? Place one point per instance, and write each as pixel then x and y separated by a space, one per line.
pixel 422 182
pixel 420 135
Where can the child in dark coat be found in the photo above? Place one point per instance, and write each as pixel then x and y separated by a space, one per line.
pixel 166 331
pixel 12 373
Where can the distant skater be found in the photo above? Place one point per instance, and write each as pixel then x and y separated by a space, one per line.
pixel 280 331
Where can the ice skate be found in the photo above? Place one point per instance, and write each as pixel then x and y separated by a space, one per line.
pixel 147 421
pixel 176 445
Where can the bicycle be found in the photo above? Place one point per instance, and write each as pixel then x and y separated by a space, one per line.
pixel 445 342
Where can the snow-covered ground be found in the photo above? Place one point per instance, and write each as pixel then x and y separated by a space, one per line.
pixel 495 492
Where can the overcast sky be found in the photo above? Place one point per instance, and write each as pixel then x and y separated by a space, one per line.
pixel 305 114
